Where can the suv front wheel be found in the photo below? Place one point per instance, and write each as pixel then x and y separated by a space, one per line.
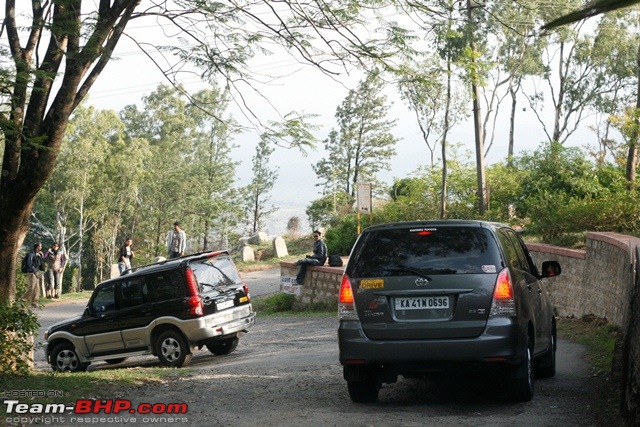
pixel 172 349
pixel 65 359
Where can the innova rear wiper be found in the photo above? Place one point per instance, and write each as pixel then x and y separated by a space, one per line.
pixel 407 270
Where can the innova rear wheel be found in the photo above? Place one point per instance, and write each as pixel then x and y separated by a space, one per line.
pixel 172 349
pixel 222 347
pixel 521 388
pixel 546 364
pixel 365 389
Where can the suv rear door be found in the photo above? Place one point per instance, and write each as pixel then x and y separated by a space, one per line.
pixel 424 282
pixel 220 285
pixel 134 311
pixel 529 289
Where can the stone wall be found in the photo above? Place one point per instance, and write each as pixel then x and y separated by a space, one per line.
pixel 631 355
pixel 321 284
pixel 596 281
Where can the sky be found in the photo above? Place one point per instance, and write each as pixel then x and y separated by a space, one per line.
pixel 132 75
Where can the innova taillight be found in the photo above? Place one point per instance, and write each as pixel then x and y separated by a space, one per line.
pixel 503 303
pixel 194 302
pixel 346 302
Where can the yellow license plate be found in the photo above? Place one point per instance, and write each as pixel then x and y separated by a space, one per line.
pixel 372 284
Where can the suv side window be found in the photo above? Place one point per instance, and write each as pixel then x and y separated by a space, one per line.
pixel 165 286
pixel 133 292
pixel 513 250
pixel 104 299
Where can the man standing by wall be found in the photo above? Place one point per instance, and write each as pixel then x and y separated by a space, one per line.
pixel 176 241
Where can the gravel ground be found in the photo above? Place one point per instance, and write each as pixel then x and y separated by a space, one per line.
pixel 285 372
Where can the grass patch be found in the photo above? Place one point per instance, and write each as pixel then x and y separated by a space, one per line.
pixel 55 387
pixel 601 341
pixel 598 336
pixel 284 305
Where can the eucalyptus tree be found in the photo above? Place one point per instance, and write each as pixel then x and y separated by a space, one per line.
pixel 586 70
pixel 263 179
pixel 516 54
pixel 54 51
pixel 618 49
pixel 165 192
pixel 429 93
pixel 94 187
pixel 363 144
pixel 217 203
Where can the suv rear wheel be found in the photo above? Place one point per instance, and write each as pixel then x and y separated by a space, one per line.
pixel 366 388
pixel 224 346
pixel 546 365
pixel 65 359
pixel 521 389
pixel 172 349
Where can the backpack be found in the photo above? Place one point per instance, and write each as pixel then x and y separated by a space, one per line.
pixel 335 261
pixel 25 264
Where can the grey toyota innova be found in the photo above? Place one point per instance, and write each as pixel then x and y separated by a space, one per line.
pixel 424 298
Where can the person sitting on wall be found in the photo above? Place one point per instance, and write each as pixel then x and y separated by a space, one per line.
pixel 318 258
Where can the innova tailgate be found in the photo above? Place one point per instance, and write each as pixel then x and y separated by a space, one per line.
pixel 410 307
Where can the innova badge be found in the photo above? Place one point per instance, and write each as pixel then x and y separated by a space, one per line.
pixel 421 281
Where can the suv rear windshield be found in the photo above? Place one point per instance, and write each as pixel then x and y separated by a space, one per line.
pixel 215 272
pixel 437 250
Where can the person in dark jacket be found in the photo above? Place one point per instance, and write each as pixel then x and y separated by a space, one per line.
pixel 318 258
pixel 126 255
pixel 34 264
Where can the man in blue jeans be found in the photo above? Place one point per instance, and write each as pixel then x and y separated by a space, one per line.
pixel 318 258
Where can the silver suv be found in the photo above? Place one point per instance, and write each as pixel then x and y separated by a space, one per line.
pixel 431 297
pixel 166 309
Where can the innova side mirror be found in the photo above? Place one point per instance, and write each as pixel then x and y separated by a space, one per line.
pixel 551 269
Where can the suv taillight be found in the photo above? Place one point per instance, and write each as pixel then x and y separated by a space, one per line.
pixel 194 301
pixel 503 303
pixel 346 302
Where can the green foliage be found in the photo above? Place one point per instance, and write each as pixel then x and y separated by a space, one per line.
pixel 341 237
pixel 19 326
pixel 276 303
pixel 327 210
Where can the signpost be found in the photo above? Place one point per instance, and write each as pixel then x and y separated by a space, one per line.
pixel 363 199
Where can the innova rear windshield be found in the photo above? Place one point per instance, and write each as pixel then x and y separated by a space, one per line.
pixel 437 250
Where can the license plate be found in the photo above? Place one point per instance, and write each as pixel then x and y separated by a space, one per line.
pixel 224 304
pixel 422 303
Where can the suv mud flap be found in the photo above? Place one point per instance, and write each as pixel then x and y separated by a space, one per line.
pixel 362 372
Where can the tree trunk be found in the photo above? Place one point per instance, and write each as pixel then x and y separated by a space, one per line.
pixel 632 156
pixel 443 196
pixel 15 225
pixel 512 122
pixel 477 120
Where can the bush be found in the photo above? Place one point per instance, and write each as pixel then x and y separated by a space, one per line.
pixel 341 237
pixel 276 303
pixel 19 326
